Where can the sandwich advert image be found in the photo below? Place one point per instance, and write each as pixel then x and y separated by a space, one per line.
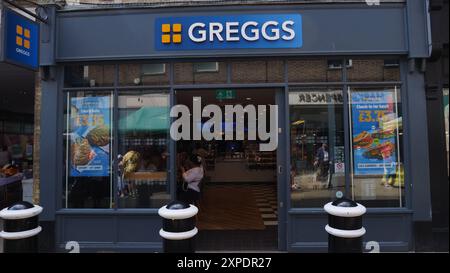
pixel 375 126
pixel 90 136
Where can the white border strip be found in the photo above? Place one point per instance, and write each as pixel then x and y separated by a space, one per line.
pixel 345 233
pixel 345 211
pixel 178 235
pixel 20 214
pixel 20 234
pixel 178 214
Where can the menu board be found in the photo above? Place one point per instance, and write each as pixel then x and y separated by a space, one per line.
pixel 90 136
pixel 375 126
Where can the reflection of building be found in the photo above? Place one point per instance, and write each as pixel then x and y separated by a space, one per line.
pixel 126 67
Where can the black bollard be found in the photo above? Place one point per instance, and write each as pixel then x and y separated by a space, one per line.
pixel 178 231
pixel 345 230
pixel 21 227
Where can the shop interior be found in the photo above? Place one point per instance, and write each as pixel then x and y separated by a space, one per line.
pixel 16 134
pixel 238 194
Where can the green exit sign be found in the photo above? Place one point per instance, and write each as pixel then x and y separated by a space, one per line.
pixel 225 94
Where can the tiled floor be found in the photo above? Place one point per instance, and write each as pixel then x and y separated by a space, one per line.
pixel 266 200
pixel 226 239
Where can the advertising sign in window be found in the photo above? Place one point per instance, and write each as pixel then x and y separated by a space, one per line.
pixel 90 136
pixel 375 126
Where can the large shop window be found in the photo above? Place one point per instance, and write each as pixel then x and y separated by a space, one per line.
pixel 143 149
pixel 377 171
pixel 317 145
pixel 88 143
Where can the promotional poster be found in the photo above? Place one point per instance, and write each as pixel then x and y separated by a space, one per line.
pixel 90 136
pixel 374 140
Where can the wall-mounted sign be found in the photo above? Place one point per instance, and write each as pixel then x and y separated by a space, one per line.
pixel 19 40
pixel 228 32
pixel 225 94
pixel 315 97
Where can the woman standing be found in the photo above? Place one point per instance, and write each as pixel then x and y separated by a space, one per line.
pixel 192 178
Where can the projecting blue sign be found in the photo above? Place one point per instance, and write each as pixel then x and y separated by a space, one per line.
pixel 229 32
pixel 20 38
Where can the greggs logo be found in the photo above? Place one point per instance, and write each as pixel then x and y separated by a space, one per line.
pixel 228 32
pixel 23 37
pixel 20 37
pixel 171 33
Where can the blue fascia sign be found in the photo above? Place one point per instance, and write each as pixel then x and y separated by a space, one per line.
pixel 19 40
pixel 248 31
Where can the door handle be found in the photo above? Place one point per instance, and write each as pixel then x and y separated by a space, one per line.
pixel 280 169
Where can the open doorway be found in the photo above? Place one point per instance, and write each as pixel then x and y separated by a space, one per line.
pixel 238 193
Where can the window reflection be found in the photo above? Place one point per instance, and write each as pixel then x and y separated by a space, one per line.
pixel 143 154
pixel 317 146
pixel 377 169
pixel 87 146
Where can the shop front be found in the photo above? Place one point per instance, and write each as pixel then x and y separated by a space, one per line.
pixel 351 120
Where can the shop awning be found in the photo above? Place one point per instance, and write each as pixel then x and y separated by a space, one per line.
pixel 146 119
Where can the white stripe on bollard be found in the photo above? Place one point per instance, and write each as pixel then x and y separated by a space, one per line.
pixel 178 235
pixel 20 214
pixel 345 211
pixel 345 233
pixel 20 234
pixel 177 214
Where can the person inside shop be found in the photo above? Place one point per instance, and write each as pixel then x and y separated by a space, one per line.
pixel 192 178
pixel 322 162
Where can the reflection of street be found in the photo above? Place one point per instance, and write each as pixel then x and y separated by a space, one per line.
pixel 372 189
pixel 308 190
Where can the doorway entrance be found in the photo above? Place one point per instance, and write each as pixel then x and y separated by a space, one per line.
pixel 238 200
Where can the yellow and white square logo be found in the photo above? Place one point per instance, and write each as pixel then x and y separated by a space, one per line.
pixel 171 33
pixel 23 37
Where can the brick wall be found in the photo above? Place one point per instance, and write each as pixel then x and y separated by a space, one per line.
pixel 257 71
pixel 129 72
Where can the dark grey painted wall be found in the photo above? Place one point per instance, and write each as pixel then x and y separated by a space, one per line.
pixel 418 29
pixel 107 35
pixel 417 147
pixel 392 231
pixel 48 38
pixel 49 157
pixel 110 231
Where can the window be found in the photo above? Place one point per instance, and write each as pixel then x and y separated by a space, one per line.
pixel 143 149
pixel 87 146
pixel 337 64
pixel 202 72
pixel 132 74
pixel 206 67
pixel 153 69
pixel 377 170
pixel 391 63
pixel 317 145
